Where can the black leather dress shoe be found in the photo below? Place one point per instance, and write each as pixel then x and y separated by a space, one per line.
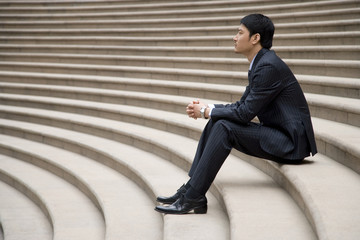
pixel 184 205
pixel 173 198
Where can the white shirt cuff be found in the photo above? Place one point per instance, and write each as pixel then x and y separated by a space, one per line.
pixel 211 106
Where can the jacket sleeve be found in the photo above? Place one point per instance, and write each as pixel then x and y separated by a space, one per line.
pixel 247 90
pixel 264 86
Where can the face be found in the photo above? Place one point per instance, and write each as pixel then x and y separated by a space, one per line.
pixel 243 42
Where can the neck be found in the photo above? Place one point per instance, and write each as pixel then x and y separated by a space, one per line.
pixel 250 56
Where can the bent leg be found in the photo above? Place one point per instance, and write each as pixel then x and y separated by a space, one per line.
pixel 215 145
pixel 201 146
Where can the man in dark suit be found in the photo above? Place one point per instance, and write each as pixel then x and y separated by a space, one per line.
pixel 284 132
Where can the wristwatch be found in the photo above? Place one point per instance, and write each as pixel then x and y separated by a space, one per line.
pixel 202 112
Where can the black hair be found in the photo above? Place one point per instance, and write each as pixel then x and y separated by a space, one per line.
pixel 258 23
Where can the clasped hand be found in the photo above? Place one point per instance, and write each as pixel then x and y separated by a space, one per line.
pixel 193 109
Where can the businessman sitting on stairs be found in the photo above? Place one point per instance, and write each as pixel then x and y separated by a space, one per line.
pixel 283 134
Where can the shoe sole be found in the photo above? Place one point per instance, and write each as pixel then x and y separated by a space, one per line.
pixel 197 210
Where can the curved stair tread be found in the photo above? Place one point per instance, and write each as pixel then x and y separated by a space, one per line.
pixel 326 191
pixel 20 217
pixel 332 86
pixel 140 115
pixel 325 130
pixel 339 109
pixel 336 109
pixel 329 25
pixel 332 192
pixel 349 105
pixel 179 17
pixel 71 79
pixel 84 6
pixel 281 39
pixel 347 136
pixel 320 52
pixel 244 189
pixel 187 147
pixel 331 128
pixel 345 68
pixel 212 225
pixel 125 71
pixel 322 84
pixel 125 6
pixel 116 58
pixel 110 189
pixel 154 10
pixel 342 142
pixel 68 219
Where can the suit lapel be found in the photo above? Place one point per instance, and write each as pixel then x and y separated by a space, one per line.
pixel 257 58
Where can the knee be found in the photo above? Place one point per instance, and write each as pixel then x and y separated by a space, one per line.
pixel 223 132
pixel 222 125
pixel 219 128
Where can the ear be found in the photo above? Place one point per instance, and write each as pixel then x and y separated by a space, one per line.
pixel 256 38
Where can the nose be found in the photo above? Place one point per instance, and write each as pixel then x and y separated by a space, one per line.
pixel 235 38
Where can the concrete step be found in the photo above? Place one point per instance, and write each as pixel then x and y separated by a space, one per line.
pixel 308 39
pixel 331 12
pixel 78 7
pixel 111 199
pixel 226 186
pixel 340 109
pixel 317 84
pixel 60 3
pixel 339 141
pixel 347 52
pixel 138 166
pixel 303 27
pixel 68 220
pixel 174 20
pixel 322 67
pixel 342 148
pixel 132 3
pixel 317 8
pixel 92 6
pixel 159 73
pixel 298 27
pixel 333 86
pixel 287 176
pixel 319 179
pixel 20 217
pixel 285 39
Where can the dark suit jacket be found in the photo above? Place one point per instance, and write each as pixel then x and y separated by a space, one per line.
pixel 275 97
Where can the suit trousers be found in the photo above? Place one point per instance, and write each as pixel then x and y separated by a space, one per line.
pixel 216 142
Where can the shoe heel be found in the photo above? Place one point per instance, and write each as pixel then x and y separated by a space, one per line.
pixel 201 210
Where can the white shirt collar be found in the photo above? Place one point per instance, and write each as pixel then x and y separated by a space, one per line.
pixel 252 62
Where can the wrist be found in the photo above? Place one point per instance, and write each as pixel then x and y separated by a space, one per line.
pixel 204 111
pixel 207 113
